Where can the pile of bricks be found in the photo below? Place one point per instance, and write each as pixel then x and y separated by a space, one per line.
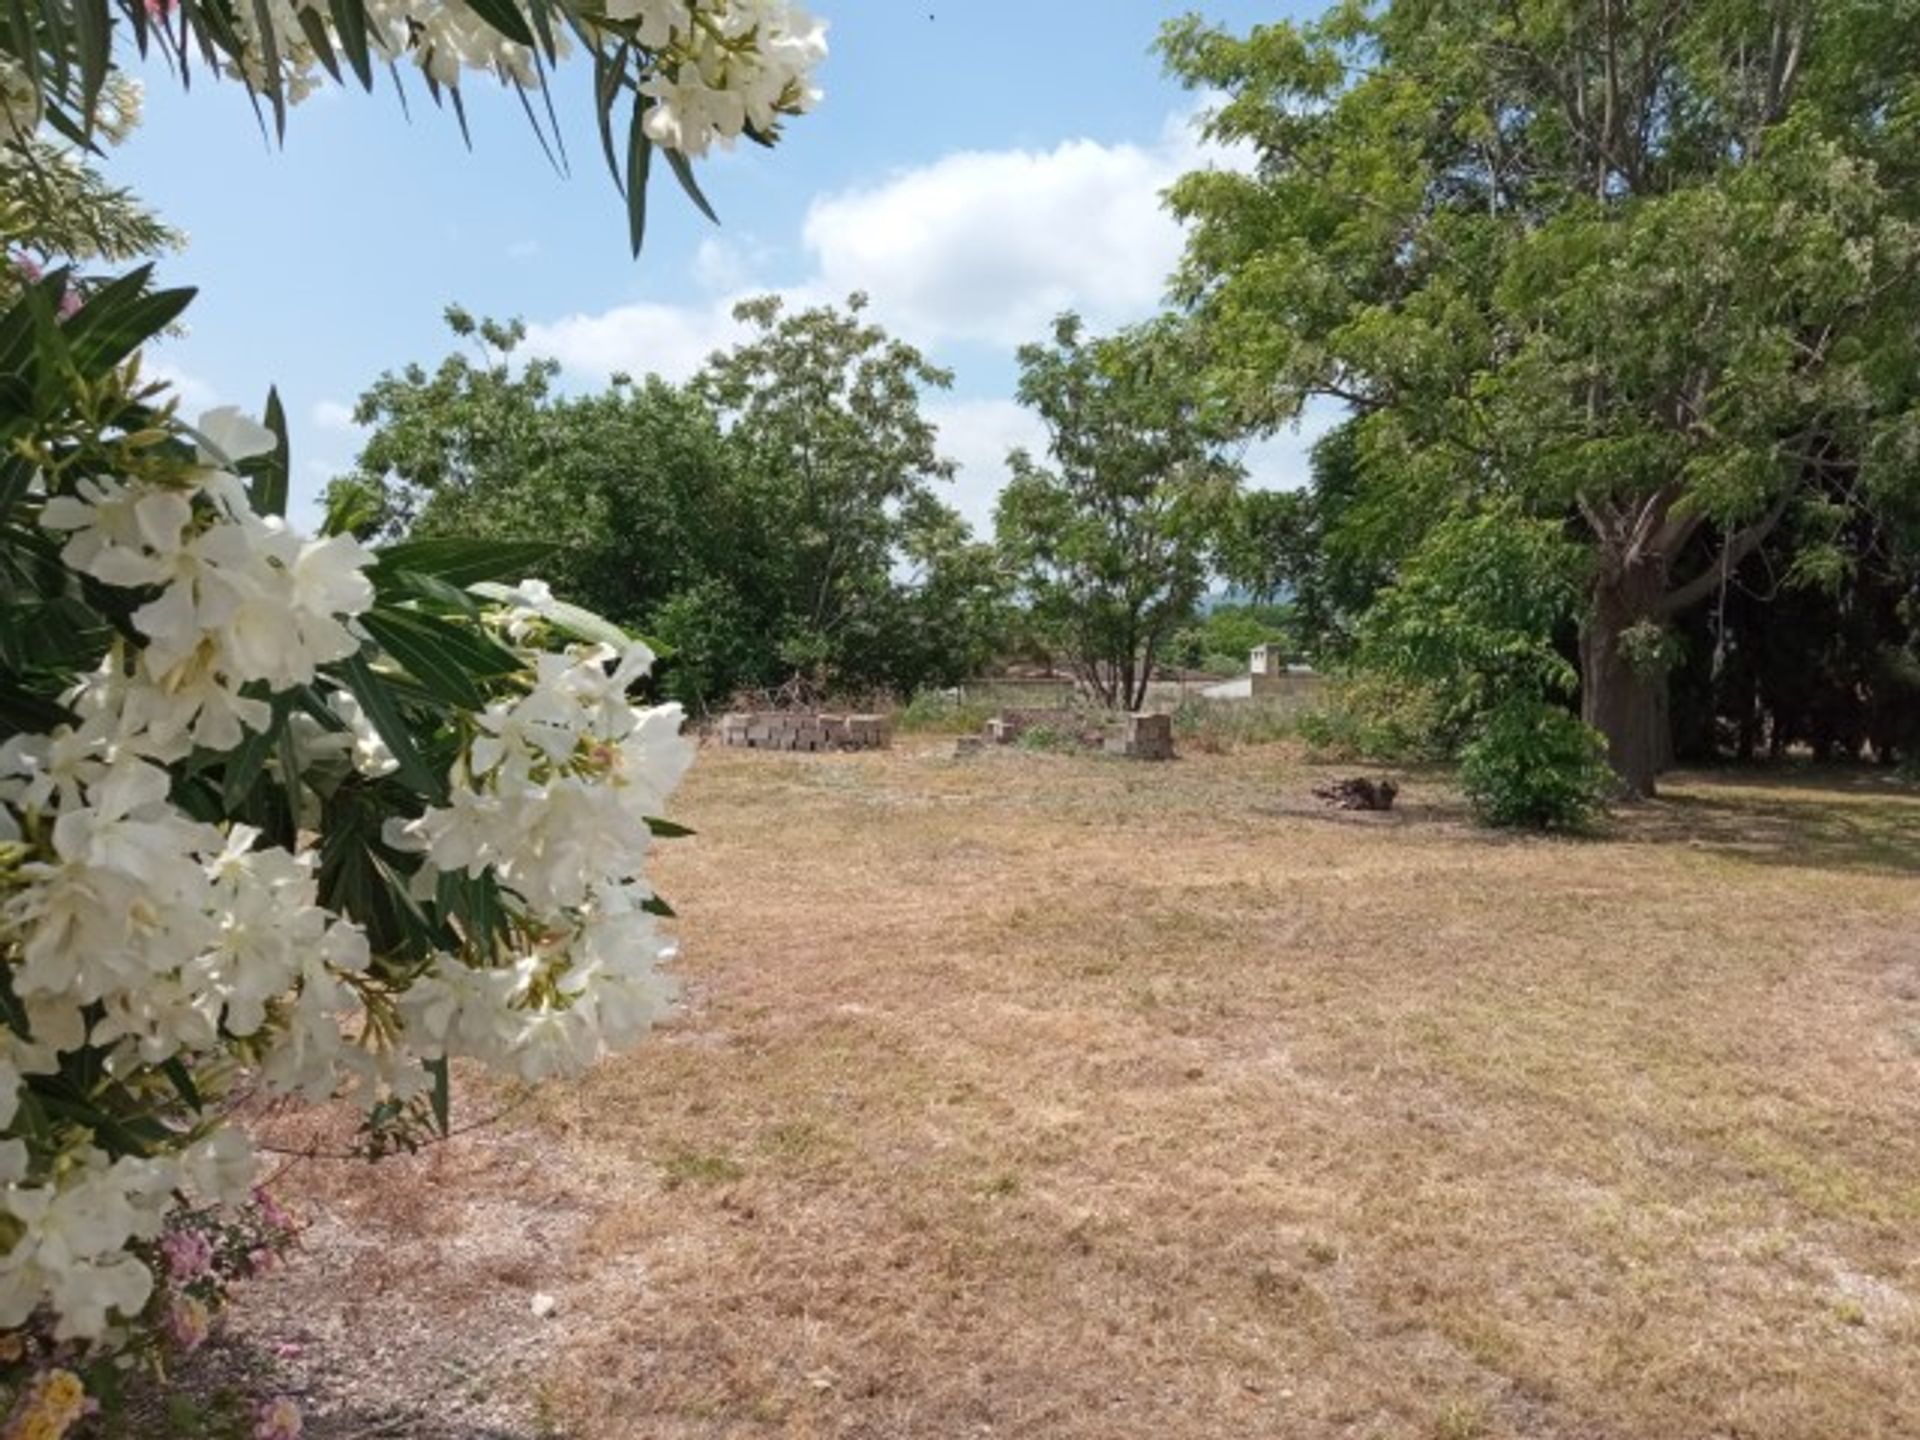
pixel 798 730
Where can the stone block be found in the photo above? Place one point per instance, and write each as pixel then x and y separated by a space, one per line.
pixel 1149 737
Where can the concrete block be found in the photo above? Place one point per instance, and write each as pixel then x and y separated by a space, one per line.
pixel 1149 737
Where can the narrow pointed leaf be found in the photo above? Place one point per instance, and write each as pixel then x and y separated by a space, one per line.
pixel 442 1099
pixel 451 661
pixel 267 474
pixel 350 30
pixel 639 167
pixel 683 172
pixel 384 714
pixel 504 16
pixel 464 562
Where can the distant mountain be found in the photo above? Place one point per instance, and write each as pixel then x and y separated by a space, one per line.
pixel 1234 596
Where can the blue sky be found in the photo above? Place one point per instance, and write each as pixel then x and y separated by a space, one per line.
pixel 976 166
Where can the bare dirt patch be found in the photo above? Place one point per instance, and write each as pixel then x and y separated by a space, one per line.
pixel 1040 1095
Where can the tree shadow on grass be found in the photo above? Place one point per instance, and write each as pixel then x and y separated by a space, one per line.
pixel 409 1424
pixel 1858 820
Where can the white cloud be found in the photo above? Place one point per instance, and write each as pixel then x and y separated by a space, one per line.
pixel 727 264
pixel 334 416
pixel 671 341
pixel 976 435
pixel 523 249
pixel 980 247
pixel 991 245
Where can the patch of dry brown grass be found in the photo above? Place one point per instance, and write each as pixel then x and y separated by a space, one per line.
pixel 1054 1096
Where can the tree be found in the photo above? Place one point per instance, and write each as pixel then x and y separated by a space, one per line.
pixel 58 210
pixel 628 486
pixel 1473 615
pixel 792 531
pixel 1812 641
pixel 1111 547
pixel 1648 266
pixel 837 465
pixel 1268 543
pixel 1325 548
pixel 952 611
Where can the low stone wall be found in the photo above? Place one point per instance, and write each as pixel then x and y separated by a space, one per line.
pixel 799 731
pixel 1009 725
pixel 1036 693
pixel 1141 737
pixel 1299 687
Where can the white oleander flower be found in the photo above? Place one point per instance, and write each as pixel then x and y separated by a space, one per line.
pixel 371 757
pixel 220 1168
pixel 72 1248
pixel 691 115
pixel 234 437
pixel 123 534
pixel 529 604
pixel 264 903
pixel 657 23
pixel 47 773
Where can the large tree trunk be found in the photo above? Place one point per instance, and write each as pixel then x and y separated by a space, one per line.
pixel 1625 704
pixel 1628 705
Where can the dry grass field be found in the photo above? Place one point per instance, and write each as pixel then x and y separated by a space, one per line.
pixel 1050 1096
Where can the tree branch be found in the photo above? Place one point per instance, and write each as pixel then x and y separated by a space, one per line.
pixel 1742 544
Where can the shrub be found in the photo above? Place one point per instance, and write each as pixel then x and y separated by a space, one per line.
pixel 934 712
pixel 1475 611
pixel 280 814
pixel 1375 717
pixel 1535 766
pixel 1047 739
pixel 1217 726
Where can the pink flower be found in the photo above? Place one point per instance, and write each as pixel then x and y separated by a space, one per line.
pixel 69 304
pixel 160 9
pixel 189 1255
pixel 270 1210
pixel 188 1323
pixel 26 267
pixel 261 1261
pixel 277 1419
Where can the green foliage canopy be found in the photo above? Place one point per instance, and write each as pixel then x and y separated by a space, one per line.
pixel 777 518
